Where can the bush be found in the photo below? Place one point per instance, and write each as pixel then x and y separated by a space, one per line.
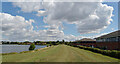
pixel 9 53
pixel 75 46
pixel 32 47
pixel 25 51
pixel 48 45
pixel 112 53
pixel 119 54
pixel 82 47
pixel 37 50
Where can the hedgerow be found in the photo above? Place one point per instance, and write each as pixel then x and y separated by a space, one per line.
pixel 112 53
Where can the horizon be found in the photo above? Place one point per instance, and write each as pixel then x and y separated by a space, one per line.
pixel 57 21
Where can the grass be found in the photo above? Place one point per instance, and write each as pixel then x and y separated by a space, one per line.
pixel 59 53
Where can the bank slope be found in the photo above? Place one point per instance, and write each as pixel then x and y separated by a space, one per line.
pixel 59 53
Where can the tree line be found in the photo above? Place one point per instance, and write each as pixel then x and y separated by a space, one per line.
pixel 38 42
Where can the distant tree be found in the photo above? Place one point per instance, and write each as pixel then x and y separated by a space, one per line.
pixel 8 42
pixel 38 42
pixel 26 42
pixel 63 41
pixel 70 43
pixel 57 41
pixel 67 43
pixel 50 43
pixel 35 42
pixel 32 46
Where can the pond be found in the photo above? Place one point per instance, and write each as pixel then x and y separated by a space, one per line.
pixel 17 48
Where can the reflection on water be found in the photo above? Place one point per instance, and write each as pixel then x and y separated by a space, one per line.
pixel 18 48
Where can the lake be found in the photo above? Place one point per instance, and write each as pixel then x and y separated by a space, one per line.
pixel 17 48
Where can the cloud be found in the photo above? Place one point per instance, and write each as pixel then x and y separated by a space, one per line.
pixel 99 21
pixel 41 13
pixel 111 0
pixel 28 6
pixel 68 11
pixel 54 0
pixel 89 17
pixel 16 28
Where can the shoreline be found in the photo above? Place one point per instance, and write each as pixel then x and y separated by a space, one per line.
pixel 23 51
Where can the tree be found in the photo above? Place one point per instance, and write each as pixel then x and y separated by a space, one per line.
pixel 70 43
pixel 32 46
pixel 35 42
pixel 26 42
pixel 38 42
pixel 50 43
pixel 57 41
pixel 63 41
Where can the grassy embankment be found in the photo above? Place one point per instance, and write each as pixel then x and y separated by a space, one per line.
pixel 60 53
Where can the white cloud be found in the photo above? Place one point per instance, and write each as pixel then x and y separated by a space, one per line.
pixel 89 17
pixel 60 0
pixel 16 28
pixel 29 6
pixel 111 0
pixel 53 0
pixel 41 13
pixel 100 21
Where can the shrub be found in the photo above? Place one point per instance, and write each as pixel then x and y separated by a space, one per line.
pixel 37 50
pixel 82 47
pixel 112 53
pixel 25 51
pixel 32 47
pixel 48 45
pixel 97 50
pixel 9 53
pixel 104 52
pixel 119 54
pixel 75 46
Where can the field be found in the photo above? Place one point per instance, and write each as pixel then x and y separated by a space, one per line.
pixel 59 53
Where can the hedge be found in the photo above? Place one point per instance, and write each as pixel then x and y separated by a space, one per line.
pixel 112 53
pixel 25 51
pixel 9 53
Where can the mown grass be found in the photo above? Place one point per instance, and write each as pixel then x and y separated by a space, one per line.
pixel 59 53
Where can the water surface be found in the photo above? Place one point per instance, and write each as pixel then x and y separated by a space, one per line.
pixel 18 48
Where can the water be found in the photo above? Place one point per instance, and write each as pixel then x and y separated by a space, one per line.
pixel 17 48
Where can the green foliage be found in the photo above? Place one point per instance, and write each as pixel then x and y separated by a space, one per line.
pixel 63 41
pixel 32 47
pixel 25 51
pixel 38 42
pixel 48 45
pixel 9 53
pixel 26 42
pixel 112 53
pixel 57 41
pixel 37 50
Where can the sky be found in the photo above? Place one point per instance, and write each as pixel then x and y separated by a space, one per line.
pixel 46 21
